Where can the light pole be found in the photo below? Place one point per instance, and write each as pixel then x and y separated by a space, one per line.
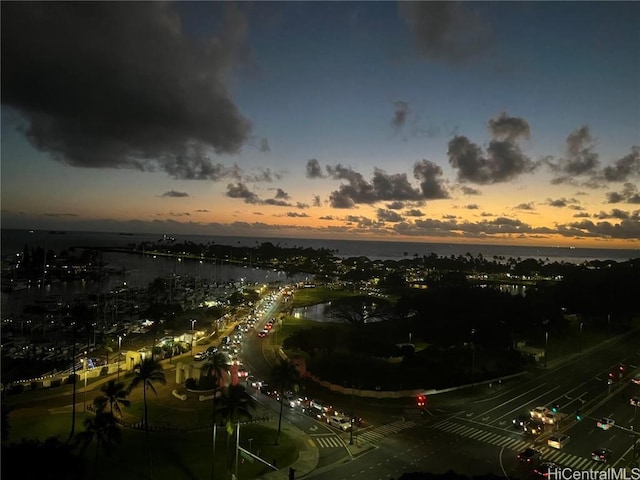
pixel 580 337
pixel 546 347
pixel 85 382
pixel 473 357
pixel 119 345
pixel 193 321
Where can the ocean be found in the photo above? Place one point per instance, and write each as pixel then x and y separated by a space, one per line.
pixel 14 241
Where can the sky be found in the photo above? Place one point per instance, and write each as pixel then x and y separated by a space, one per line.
pixel 475 122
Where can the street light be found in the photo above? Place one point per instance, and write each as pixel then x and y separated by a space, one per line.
pixel 473 356
pixel 580 337
pixel 193 321
pixel 119 345
pixel 546 347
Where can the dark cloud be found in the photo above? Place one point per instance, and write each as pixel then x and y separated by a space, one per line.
pixel 317 202
pixel 395 205
pixel 414 212
pixel 614 213
pixel 448 31
pixel 118 85
pixel 503 162
pixel 327 217
pixel 296 215
pixel 431 186
pixel 179 214
pixel 509 128
pixel 389 216
pixel 302 205
pixel 626 167
pixel 626 229
pixel 60 214
pixel 201 210
pixel 629 194
pixel 400 115
pixel 580 159
pixel 262 175
pixel 469 191
pixel 280 193
pixel 240 190
pixel 581 215
pixel 264 145
pixel 173 193
pixel 275 202
pixel 338 199
pixel 313 169
pixel 471 206
pixel 561 202
pixel 525 206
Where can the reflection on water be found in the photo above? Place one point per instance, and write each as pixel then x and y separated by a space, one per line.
pixel 137 272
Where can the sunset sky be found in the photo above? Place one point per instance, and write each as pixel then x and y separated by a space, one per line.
pixel 505 122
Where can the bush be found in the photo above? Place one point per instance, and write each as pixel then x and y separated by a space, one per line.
pixel 190 384
pixel 104 371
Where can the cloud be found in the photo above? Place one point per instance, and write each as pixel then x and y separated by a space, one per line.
pixel 264 145
pixel 626 167
pixel 503 161
pixel 580 159
pixel 60 214
pixel 626 229
pixel 119 85
pixel 629 194
pixel 446 31
pixel 472 206
pixel 509 128
pixel 296 215
pixel 281 194
pixel 173 193
pixel 316 202
pixel 431 186
pixel 388 216
pixel 561 202
pixel 395 205
pixel 525 206
pixel 240 190
pixel 470 191
pixel 302 205
pixel 400 115
pixel 313 169
pixel 201 210
pixel 614 213
pixel 414 212
pixel 179 214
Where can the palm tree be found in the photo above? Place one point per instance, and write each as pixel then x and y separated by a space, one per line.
pixel 284 375
pixel 114 394
pixel 146 373
pixel 216 366
pixel 103 429
pixel 235 403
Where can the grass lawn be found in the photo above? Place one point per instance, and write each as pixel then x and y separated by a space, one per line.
pixel 305 297
pixel 174 454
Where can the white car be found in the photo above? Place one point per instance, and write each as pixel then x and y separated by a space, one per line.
pixel 539 412
pixel 342 423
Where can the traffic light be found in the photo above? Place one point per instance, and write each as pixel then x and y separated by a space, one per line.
pixel 555 408
pixel 422 401
pixel 578 414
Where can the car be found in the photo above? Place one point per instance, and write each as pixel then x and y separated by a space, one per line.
pixel 634 401
pixel 292 399
pixel 545 469
pixel 636 379
pixel 605 423
pixel 211 350
pixel 529 454
pixel 550 418
pixel 558 441
pixel 342 423
pixel 601 455
pixel 263 333
pixel 198 357
pixel 539 412
pixel 520 420
pixel 533 427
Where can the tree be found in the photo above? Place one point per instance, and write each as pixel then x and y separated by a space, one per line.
pixel 358 309
pixel 215 366
pixel 284 375
pixel 115 395
pixel 50 459
pixel 146 373
pixel 103 430
pixel 235 403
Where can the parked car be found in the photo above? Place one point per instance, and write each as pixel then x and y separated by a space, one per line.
pixel 200 356
pixel 558 441
pixel 601 455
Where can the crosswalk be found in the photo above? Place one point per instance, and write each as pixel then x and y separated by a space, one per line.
pixel 330 440
pixel 378 433
pixel 548 454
